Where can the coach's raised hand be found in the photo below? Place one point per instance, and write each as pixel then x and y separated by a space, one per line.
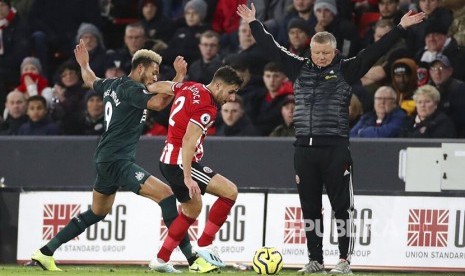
pixel 410 19
pixel 248 15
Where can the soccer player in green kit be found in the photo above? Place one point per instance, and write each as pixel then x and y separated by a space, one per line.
pixel 126 101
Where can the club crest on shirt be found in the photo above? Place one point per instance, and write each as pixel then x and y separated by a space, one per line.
pixel 139 175
pixel 207 170
pixel 205 118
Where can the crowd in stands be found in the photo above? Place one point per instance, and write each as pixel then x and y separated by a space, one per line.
pixel 416 89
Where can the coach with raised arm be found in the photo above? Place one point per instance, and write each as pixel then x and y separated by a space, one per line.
pixel 322 88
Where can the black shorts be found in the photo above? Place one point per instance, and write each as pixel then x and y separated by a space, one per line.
pixel 121 173
pixel 175 176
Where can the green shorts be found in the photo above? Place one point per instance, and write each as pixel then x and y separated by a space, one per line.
pixel 120 173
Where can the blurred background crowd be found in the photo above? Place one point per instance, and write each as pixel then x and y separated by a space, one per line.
pixel 415 90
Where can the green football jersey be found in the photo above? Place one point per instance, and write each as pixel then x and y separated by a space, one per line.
pixel 125 103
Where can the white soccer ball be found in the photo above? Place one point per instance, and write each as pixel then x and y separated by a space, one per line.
pixel 267 261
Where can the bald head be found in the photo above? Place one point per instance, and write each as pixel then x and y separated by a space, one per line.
pixel 16 104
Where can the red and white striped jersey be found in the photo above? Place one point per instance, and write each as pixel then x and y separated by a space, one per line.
pixel 193 102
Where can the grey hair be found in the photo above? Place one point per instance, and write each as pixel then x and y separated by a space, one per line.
pixel 324 38
pixel 147 55
pixel 136 25
pixel 429 91
pixel 389 89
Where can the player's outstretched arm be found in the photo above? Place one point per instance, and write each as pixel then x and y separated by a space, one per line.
pixel 82 57
pixel 164 96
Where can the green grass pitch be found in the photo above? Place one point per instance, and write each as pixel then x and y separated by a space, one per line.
pixel 82 270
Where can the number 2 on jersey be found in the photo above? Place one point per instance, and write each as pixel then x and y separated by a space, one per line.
pixel 179 103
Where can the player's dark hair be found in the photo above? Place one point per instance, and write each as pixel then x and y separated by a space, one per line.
pixel 228 75
pixel 37 98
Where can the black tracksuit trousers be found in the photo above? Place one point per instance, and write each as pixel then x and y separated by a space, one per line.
pixel 330 166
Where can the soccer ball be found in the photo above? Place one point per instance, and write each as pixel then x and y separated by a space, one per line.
pixel 267 261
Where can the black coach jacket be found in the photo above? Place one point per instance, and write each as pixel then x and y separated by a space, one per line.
pixel 323 95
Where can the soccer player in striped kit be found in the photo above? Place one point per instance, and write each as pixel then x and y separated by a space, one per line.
pixel 194 110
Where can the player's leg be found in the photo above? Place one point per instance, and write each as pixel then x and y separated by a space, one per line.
pixel 103 197
pixel 178 229
pixel 226 192
pixel 101 205
pixel 338 183
pixel 138 180
pixel 162 194
pixel 310 188
pixel 215 184
pixel 190 211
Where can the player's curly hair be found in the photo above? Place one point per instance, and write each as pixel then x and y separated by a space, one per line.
pixel 145 57
pixel 228 75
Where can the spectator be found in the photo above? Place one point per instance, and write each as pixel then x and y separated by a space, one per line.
pixel 38 123
pixel 268 112
pixel 286 129
pixel 299 37
pixel 300 9
pixel 248 52
pixel 429 122
pixel 252 89
pixel 113 65
pixel 116 15
pixel 202 69
pixel 235 121
pixel 385 121
pixel 348 40
pixel 355 110
pixel 404 82
pixel 439 16
pixel 437 41
pixel 93 40
pixel 32 81
pixel 185 40
pixel 456 30
pixel 69 93
pixel 452 92
pixel 14 114
pixel 158 27
pixel 54 26
pixel 13 47
pixel 154 126
pixel 271 12
pixel 225 18
pixel 92 121
pixel 134 40
pixel 388 10
pixel 378 73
